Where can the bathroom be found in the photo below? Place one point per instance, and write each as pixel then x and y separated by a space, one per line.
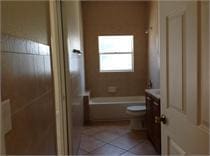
pixel 117 75
pixel 84 78
pixel 109 92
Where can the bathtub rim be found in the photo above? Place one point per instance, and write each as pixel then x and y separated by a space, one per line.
pixel 117 100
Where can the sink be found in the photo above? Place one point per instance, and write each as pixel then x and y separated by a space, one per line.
pixel 157 91
pixel 154 92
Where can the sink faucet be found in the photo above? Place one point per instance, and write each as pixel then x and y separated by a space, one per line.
pixel 149 84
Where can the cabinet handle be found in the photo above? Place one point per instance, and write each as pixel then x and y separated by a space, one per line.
pixel 157 119
pixel 155 103
pixel 148 98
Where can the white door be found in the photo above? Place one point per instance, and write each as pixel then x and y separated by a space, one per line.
pixel 187 128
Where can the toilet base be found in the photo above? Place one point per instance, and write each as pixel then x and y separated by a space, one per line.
pixel 136 124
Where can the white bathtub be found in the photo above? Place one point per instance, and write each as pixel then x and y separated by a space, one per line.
pixel 112 108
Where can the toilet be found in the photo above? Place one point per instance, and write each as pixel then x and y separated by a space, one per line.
pixel 136 114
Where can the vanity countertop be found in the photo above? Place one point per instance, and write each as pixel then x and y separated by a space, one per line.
pixel 154 92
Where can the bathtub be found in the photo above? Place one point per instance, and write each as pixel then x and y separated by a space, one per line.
pixel 112 108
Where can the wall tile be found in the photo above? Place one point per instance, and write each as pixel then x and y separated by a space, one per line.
pixel 43 49
pixel 20 45
pixel 4 44
pixel 29 127
pixel 122 18
pixel 27 82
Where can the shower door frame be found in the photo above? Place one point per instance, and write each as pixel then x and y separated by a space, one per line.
pixel 58 65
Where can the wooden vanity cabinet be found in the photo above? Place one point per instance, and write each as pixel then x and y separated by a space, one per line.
pixel 153 127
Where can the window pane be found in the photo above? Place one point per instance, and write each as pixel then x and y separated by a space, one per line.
pixel 115 62
pixel 118 43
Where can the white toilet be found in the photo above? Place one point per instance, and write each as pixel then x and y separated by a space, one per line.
pixel 137 114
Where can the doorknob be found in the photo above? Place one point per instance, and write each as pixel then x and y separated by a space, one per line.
pixel 163 119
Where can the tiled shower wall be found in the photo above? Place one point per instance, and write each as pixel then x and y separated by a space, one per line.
pixel 115 18
pixel 27 83
pixel 71 17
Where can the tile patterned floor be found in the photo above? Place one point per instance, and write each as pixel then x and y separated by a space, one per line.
pixel 114 139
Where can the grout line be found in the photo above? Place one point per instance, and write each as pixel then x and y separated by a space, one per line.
pixel 124 152
pixel 81 141
pixel 123 148
pixel 23 53
pixel 110 140
pixel 117 147
pixel 93 136
pixel 109 143
pixel 96 148
pixel 31 102
pixel 80 148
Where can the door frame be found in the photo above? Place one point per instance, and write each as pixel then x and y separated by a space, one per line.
pixel 2 139
pixel 58 66
pixel 209 73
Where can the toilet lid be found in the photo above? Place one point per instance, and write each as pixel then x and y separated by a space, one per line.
pixel 136 108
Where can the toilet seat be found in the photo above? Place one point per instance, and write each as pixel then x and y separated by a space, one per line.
pixel 136 108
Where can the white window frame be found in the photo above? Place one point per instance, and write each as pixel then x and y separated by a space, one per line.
pixel 108 53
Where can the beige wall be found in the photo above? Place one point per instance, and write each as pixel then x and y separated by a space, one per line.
pixel 27 19
pixel 108 18
pixel 153 49
pixel 71 12
pixel 27 78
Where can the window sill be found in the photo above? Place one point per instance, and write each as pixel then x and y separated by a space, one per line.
pixel 116 71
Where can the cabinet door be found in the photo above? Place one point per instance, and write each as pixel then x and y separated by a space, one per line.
pixel 149 116
pixel 156 126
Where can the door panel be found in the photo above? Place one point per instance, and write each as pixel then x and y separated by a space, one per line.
pixel 174 39
pixel 174 148
pixel 180 81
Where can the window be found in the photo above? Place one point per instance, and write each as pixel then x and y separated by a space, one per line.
pixel 116 53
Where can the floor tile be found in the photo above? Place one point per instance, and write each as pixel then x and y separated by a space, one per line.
pixel 114 139
pixel 108 150
pixel 106 136
pixel 130 139
pixel 137 135
pixel 144 148
pixel 118 130
pixel 89 143
pixel 111 123
pixel 128 154
pixel 93 130
pixel 82 152
pixel 125 142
